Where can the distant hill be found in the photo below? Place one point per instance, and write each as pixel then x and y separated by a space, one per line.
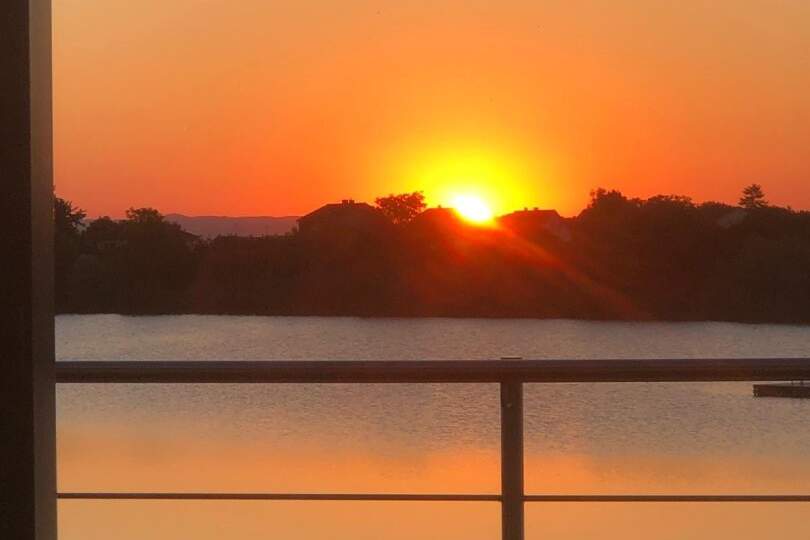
pixel 213 226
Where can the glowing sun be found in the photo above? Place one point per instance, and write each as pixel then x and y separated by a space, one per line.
pixel 472 208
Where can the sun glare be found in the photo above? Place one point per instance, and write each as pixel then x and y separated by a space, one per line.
pixel 472 208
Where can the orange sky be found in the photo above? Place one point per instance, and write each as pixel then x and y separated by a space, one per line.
pixel 272 108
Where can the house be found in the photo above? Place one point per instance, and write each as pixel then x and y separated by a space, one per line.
pixel 533 222
pixel 437 217
pixel 345 215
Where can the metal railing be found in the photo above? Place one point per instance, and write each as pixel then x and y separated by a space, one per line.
pixel 510 374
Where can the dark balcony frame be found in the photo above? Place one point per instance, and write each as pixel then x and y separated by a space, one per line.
pixel 27 448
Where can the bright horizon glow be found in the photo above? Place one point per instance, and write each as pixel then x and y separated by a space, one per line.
pixel 276 108
pixel 503 176
pixel 472 208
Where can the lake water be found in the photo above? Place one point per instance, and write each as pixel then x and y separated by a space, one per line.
pixel 692 438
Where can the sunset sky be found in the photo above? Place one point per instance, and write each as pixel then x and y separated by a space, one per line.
pixel 261 107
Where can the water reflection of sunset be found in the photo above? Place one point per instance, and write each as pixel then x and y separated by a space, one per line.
pixel 579 438
pixel 331 439
pixel 128 463
pixel 134 461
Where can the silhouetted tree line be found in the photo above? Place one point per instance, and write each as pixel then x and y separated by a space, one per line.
pixel 663 258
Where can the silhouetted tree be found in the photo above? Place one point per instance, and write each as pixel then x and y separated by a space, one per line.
pixel 144 216
pixel 402 208
pixel 662 258
pixel 68 221
pixel 101 234
pixel 142 264
pixel 753 197
pixel 99 274
pixel 158 259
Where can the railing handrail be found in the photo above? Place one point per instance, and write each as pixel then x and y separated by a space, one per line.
pixel 434 371
pixel 509 373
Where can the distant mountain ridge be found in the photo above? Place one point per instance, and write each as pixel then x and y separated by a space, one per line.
pixel 213 226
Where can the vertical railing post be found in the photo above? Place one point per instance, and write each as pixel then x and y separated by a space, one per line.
pixel 512 460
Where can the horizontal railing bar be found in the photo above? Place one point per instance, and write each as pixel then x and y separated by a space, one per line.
pixel 282 497
pixel 439 371
pixel 431 497
pixel 667 498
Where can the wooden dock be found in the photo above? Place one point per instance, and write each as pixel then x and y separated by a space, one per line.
pixel 798 390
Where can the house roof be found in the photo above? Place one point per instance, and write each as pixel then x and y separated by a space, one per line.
pixel 344 207
pixel 532 213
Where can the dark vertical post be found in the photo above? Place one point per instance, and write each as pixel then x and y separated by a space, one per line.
pixel 512 460
pixel 27 447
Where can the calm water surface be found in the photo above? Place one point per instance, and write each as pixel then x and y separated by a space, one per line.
pixel 580 438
